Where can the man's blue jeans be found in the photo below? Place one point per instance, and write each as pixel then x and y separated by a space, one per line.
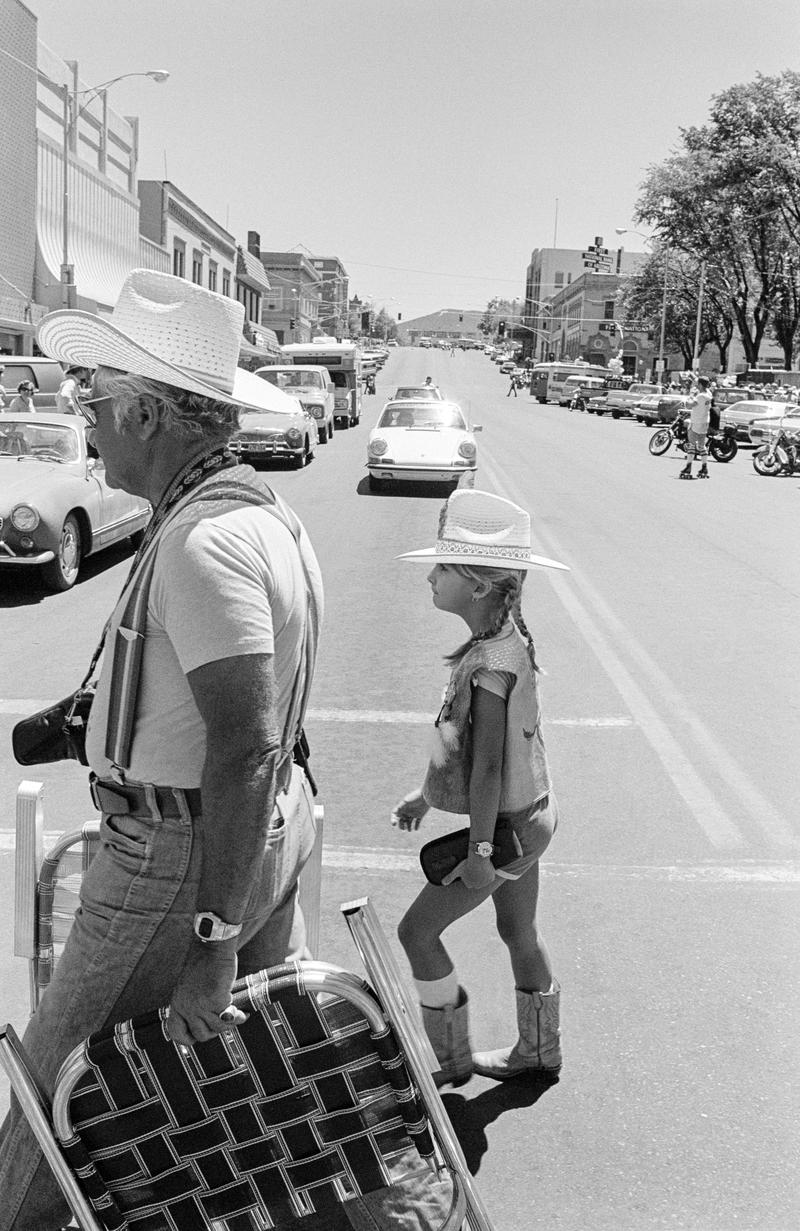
pixel 126 948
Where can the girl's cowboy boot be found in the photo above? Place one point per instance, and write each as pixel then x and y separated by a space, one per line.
pixel 537 1052
pixel 448 1031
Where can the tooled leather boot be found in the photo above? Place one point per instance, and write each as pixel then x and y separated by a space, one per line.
pixel 448 1031
pixel 537 1051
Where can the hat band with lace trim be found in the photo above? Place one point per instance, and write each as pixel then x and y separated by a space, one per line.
pixel 454 547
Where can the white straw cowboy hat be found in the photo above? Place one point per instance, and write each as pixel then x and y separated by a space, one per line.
pixel 485 531
pixel 162 327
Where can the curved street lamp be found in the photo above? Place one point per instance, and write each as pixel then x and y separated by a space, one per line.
pixel 68 289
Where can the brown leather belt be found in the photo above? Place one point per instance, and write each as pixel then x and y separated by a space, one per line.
pixel 130 798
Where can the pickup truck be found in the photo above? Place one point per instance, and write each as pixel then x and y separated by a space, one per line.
pixel 620 401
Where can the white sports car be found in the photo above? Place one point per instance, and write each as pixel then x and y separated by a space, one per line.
pixel 421 441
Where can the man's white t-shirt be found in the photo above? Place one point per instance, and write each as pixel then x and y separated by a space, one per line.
pixel 701 410
pixel 228 581
pixel 67 396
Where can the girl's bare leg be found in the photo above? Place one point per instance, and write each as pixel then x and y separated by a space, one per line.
pixel 434 909
pixel 515 907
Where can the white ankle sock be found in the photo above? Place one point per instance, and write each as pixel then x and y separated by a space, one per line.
pixel 438 993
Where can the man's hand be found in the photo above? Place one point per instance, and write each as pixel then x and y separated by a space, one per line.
pixel 201 1003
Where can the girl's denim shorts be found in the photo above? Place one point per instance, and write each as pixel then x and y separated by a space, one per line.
pixel 534 826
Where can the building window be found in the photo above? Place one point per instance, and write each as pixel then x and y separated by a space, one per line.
pixel 226 282
pixel 212 275
pixel 608 310
pixel 559 278
pixel 179 259
pixel 197 267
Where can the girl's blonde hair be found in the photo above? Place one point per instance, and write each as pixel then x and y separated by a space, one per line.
pixel 507 585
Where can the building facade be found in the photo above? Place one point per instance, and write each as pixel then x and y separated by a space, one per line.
pixel 199 248
pixel 334 290
pixel 585 323
pixel 82 259
pixel 291 307
pixel 19 311
pixel 260 344
pixel 446 325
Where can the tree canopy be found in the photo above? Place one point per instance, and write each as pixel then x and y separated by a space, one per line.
pixel 730 196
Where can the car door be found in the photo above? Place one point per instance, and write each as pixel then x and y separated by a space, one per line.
pixel 114 514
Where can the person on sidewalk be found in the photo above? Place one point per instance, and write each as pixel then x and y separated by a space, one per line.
pixel 205 831
pixel 489 762
pixel 697 441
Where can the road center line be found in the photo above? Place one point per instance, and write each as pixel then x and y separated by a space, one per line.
pixel 708 813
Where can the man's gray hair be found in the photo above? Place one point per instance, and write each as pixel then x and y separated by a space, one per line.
pixel 190 415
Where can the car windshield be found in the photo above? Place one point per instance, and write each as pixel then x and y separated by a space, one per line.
pixel 294 380
pixel 422 416
pixel 420 391
pixel 47 441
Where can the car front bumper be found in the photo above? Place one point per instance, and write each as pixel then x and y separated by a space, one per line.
pixel 265 449
pixel 419 474
pixel 7 556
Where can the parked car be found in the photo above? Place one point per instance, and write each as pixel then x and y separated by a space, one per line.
pixel 44 374
pixel 660 408
pixel 313 388
pixel 621 400
pixel 742 413
pixel 720 398
pixel 55 505
pixel 267 435
pixel 416 392
pixel 761 429
pixel 421 441
pixel 507 366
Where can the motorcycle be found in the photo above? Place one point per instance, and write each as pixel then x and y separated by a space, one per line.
pixel 780 455
pixel 722 443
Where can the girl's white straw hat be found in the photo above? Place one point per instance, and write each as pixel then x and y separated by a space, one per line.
pixel 166 329
pixel 484 531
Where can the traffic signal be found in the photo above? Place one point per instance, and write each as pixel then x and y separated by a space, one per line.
pixel 461 320
pixel 501 329
pixel 399 316
pixel 365 322
pixel 551 356
pixel 292 323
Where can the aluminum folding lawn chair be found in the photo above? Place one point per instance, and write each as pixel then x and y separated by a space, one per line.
pixel 47 885
pixel 308 1115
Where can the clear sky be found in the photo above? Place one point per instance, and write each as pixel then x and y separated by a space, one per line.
pixel 424 142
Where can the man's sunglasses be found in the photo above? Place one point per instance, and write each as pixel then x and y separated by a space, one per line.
pixel 87 406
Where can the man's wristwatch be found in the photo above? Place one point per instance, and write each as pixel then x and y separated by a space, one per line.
pixel 484 849
pixel 209 927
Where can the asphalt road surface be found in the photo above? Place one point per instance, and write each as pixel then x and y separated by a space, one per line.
pixel 670 891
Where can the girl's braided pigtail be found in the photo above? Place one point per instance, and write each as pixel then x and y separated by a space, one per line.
pixel 517 617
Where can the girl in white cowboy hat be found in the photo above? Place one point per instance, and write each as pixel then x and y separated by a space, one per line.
pixel 489 762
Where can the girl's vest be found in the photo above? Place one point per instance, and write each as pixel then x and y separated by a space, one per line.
pixel 525 774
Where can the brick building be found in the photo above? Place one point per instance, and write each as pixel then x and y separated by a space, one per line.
pixel 333 291
pixel 19 311
pixel 291 307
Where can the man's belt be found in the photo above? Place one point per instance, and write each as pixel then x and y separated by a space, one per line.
pixel 134 798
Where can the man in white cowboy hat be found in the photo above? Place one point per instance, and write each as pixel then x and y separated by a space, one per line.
pixel 206 817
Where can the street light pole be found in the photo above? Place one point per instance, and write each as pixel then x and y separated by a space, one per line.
pixel 696 352
pixel 68 287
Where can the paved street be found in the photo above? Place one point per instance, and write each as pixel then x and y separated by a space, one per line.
pixel 670 892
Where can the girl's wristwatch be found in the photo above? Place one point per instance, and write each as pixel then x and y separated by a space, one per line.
pixel 484 849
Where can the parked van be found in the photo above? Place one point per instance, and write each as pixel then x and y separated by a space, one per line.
pixel 313 388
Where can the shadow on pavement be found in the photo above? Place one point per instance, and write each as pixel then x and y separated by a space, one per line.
pixel 23 587
pixel 428 491
pixel 471 1117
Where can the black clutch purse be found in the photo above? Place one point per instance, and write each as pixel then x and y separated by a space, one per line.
pixel 57 733
pixel 440 856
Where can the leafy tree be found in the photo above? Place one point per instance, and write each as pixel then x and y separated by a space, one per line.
pixel 731 196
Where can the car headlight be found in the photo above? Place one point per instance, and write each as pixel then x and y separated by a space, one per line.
pixel 293 437
pixel 377 447
pixel 467 449
pixel 318 412
pixel 24 517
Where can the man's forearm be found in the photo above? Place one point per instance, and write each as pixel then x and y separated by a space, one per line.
pixel 238 797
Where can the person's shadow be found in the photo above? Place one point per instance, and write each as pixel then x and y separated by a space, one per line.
pixel 470 1117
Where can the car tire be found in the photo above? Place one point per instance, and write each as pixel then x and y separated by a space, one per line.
pixel 299 460
pixel 615 414
pixel 344 422
pixel 62 572
pixel 375 484
pixel 323 436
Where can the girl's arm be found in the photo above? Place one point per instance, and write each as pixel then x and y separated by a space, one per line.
pixel 488 713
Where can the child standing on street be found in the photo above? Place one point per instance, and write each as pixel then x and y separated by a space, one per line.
pixel 489 762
